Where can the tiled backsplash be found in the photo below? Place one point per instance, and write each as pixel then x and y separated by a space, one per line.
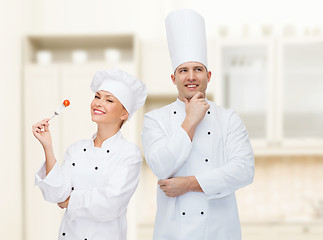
pixel 284 188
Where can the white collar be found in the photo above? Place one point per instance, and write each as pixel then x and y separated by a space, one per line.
pixel 109 141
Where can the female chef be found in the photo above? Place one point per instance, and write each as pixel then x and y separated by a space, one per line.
pixel 98 176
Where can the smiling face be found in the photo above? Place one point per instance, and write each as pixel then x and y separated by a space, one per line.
pixel 106 109
pixel 190 78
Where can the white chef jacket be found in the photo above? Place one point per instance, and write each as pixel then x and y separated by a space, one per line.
pixel 100 183
pixel 220 157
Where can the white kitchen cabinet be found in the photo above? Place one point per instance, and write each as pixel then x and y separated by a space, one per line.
pixel 245 83
pixel 300 85
pixel 276 86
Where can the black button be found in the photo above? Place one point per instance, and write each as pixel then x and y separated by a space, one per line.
pixel 108 151
pixel 208 133
pixel 96 168
pixel 73 164
pixel 206 160
pixel 63 234
pixel 208 112
pixel 84 149
pixel 202 213
pixel 85 238
pixel 174 112
pixel 72 188
pixel 183 213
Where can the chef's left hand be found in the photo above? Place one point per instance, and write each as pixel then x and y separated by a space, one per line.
pixel 64 204
pixel 177 186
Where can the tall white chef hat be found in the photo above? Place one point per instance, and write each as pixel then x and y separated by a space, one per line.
pixel 186 37
pixel 129 90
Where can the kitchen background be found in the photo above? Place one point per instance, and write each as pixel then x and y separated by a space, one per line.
pixel 267 63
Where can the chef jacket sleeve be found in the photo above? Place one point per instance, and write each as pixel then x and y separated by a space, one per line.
pixel 109 202
pixel 239 168
pixel 164 154
pixel 56 186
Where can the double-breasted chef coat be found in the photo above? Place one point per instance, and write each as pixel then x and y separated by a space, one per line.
pixel 220 157
pixel 100 182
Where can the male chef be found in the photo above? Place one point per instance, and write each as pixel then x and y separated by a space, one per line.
pixel 199 151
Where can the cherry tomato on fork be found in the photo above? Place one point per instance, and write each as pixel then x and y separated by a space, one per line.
pixel 66 103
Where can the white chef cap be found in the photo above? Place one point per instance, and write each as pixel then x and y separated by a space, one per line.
pixel 129 90
pixel 186 37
